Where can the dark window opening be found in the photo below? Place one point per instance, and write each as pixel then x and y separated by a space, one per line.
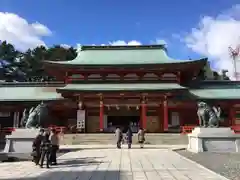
pixel 123 122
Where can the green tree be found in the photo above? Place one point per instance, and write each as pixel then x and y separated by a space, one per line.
pixel 8 52
pixel 30 63
pixel 10 70
pixel 58 53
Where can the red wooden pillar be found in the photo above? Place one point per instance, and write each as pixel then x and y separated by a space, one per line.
pixel 165 115
pixel 143 115
pixel 101 116
pixel 231 116
pixel 160 116
pixel 179 77
pixel 66 78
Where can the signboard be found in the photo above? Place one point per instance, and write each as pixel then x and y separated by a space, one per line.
pixel 5 114
pixel 81 119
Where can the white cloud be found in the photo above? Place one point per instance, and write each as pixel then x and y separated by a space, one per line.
pixel 125 43
pixel 214 35
pixel 135 42
pixel 159 41
pixel 19 32
pixel 66 46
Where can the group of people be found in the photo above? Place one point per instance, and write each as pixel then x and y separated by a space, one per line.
pixel 45 147
pixel 128 137
pixel 46 144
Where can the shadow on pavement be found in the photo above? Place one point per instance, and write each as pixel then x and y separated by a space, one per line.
pixel 58 172
pixel 78 162
pixel 85 159
pixel 73 175
pixel 16 157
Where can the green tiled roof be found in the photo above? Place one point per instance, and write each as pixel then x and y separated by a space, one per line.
pixel 28 94
pixel 122 55
pixel 121 87
pixel 225 93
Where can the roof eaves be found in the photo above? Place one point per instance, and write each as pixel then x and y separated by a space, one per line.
pixel 32 100
pixel 121 87
pixel 211 96
pixel 177 62
pixel 124 47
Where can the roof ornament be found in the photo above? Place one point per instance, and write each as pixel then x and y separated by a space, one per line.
pixel 79 48
pixel 137 107
pixel 234 53
pixel 80 105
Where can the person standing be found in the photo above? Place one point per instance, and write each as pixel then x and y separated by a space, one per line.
pixel 54 139
pixel 129 135
pixel 141 137
pixel 36 146
pixel 119 136
pixel 45 150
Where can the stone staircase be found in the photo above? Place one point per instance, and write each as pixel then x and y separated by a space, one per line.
pixel 154 139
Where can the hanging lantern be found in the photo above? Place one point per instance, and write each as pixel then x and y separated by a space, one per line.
pixel 80 105
pixel 137 107
pixel 117 107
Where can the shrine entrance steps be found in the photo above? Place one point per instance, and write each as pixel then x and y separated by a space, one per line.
pixel 101 138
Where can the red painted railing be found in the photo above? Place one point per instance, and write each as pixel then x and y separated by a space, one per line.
pixel 59 129
pixel 236 129
pixel 7 130
pixel 187 129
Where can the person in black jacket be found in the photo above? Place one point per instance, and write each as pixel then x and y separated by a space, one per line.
pixel 36 146
pixel 45 150
pixel 129 135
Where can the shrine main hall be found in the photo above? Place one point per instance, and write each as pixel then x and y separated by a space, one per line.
pixel 109 86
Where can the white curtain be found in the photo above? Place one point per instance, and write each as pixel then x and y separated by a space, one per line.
pixel 175 119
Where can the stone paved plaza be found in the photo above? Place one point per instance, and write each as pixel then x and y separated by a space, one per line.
pixel 111 164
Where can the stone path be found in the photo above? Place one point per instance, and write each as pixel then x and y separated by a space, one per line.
pixel 110 164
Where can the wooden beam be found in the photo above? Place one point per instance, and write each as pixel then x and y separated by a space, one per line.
pixel 119 94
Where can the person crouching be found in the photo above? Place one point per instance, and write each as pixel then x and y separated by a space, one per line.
pixel 54 139
pixel 45 150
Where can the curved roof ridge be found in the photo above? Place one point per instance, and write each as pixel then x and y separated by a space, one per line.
pixel 122 55
pixel 124 47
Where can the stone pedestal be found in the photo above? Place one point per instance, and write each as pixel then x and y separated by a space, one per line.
pixel 213 140
pixel 20 141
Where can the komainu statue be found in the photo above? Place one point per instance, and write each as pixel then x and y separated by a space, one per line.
pixel 208 116
pixel 37 116
pixel 24 117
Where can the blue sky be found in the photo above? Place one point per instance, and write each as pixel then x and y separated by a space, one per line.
pixel 103 21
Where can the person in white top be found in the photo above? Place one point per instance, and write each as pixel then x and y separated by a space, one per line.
pixel 54 139
pixel 141 137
